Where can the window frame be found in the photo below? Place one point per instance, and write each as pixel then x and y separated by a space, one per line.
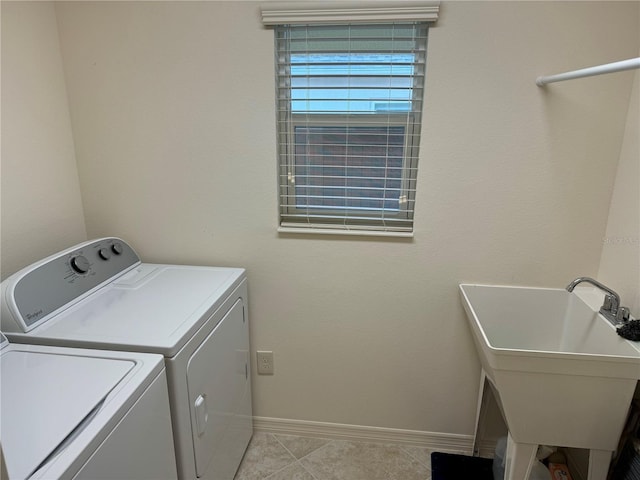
pixel 383 221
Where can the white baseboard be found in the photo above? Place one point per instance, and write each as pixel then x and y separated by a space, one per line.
pixel 487 448
pixel 444 442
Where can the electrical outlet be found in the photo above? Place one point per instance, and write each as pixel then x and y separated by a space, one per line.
pixel 265 362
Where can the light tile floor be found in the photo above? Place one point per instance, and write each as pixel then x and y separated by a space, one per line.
pixel 284 457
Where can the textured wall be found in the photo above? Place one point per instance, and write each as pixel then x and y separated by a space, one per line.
pixel 620 263
pixel 41 210
pixel 173 117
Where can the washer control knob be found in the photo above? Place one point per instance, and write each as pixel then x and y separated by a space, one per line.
pixel 80 264
pixel 117 248
pixel 104 254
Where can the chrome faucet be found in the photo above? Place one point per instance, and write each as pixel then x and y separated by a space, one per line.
pixel 611 309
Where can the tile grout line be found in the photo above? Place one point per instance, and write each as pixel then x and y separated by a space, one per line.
pixel 296 459
pixel 312 451
pixel 416 458
pixel 287 466
pixel 329 442
pixel 390 473
pixel 272 438
pixel 283 446
pixel 307 470
pixel 286 450
pixel 297 465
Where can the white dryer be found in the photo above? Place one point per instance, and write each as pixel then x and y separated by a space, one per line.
pixel 84 414
pixel 100 295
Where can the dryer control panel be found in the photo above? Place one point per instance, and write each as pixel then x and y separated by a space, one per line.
pixel 37 292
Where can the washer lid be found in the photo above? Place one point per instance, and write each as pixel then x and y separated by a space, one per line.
pixel 44 398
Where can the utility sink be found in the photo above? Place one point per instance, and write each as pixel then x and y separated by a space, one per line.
pixel 561 374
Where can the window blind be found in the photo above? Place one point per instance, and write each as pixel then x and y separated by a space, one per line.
pixel 349 106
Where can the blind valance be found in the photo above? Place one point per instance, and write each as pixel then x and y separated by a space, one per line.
pixel 299 13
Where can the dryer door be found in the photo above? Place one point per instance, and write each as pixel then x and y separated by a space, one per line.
pixel 217 377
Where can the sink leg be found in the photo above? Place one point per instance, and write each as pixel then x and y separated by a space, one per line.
pixel 483 377
pixel 599 461
pixel 520 458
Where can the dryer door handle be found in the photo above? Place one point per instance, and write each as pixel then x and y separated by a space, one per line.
pixel 202 416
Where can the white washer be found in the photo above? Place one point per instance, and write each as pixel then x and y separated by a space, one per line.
pixel 99 295
pixel 84 414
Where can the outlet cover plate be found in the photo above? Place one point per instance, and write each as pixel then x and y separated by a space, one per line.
pixel 265 362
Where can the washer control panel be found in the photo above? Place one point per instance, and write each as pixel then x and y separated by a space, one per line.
pixel 49 285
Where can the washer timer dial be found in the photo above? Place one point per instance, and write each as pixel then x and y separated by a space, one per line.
pixel 80 264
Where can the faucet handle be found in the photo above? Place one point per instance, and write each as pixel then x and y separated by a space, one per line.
pixel 623 314
pixel 607 303
pixel 610 304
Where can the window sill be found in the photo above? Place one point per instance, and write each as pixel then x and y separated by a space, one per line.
pixel 341 231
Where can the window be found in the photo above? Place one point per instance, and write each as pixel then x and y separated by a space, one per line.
pixel 349 105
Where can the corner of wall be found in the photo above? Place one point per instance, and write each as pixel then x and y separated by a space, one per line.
pixel 620 258
pixel 41 207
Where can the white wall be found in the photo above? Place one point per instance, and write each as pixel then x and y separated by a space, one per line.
pixel 153 99
pixel 41 208
pixel 620 262
pixel 173 118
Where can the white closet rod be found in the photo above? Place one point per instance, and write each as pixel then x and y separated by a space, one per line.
pixel 591 71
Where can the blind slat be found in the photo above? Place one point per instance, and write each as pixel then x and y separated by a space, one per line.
pixel 354 218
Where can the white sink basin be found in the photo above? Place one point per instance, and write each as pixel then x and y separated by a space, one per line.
pixel 545 330
pixel 562 374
